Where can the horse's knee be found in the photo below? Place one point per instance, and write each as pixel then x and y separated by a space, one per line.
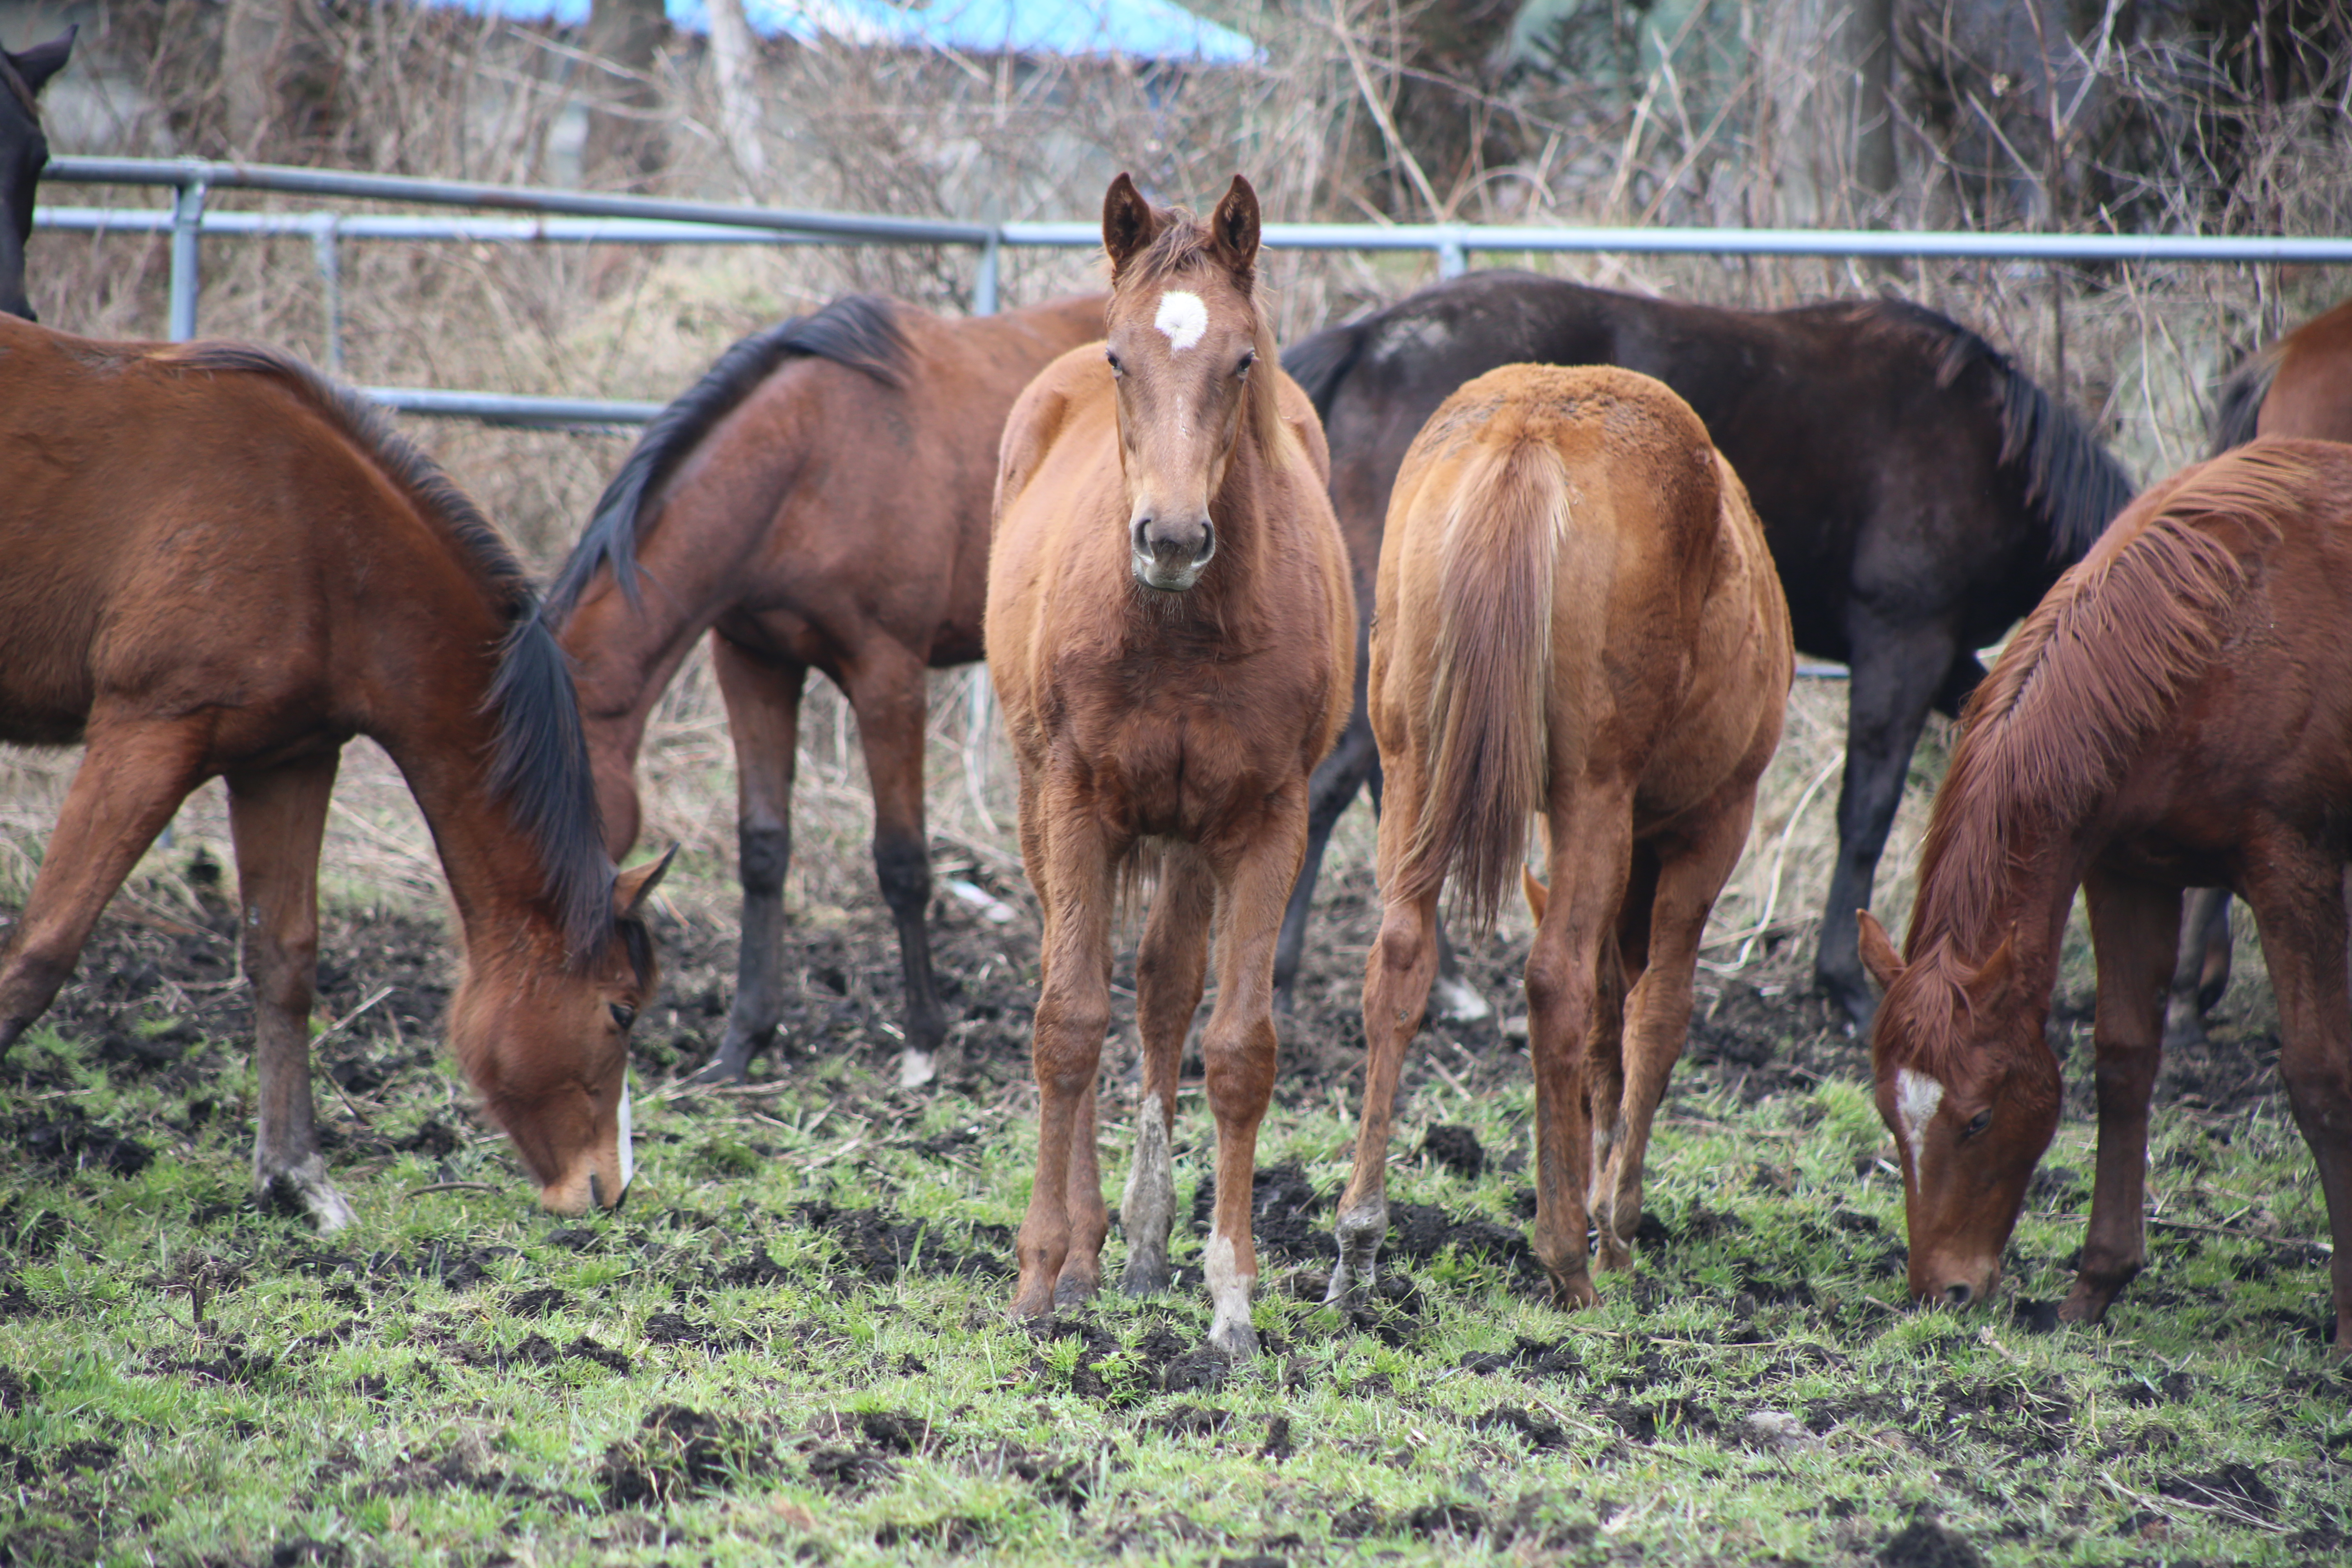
pixel 763 855
pixel 903 866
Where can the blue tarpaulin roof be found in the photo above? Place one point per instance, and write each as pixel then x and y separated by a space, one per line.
pixel 1136 29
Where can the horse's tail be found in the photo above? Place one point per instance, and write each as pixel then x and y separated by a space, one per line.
pixel 1489 698
pixel 859 330
pixel 1320 362
pixel 2238 407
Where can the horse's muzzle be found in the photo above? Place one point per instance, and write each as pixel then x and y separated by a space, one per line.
pixel 1169 557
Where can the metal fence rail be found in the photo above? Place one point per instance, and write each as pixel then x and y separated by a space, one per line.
pixel 596 218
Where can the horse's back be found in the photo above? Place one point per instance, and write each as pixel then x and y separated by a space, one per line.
pixel 2310 392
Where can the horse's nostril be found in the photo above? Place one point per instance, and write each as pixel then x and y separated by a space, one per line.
pixel 1958 1295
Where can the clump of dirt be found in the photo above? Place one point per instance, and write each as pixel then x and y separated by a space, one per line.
pixel 1528 1358
pixel 1540 1432
pixel 679 1452
pixel 538 1303
pixel 1190 1421
pixel 879 1246
pixel 1924 1543
pixel 456 1472
pixel 1457 1149
pixel 68 1141
pixel 2234 1488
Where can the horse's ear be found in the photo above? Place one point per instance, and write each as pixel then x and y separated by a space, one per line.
pixel 1878 954
pixel 1128 223
pixel 1538 896
pixel 633 887
pixel 1234 227
pixel 1989 986
pixel 42 61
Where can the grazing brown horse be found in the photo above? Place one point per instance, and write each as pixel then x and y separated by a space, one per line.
pixel 1577 618
pixel 2299 385
pixel 1172 636
pixel 220 565
pixel 2177 713
pixel 23 150
pixel 818 500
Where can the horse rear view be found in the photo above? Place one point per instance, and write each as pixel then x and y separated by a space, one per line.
pixel 220 565
pixel 1578 618
pixel 1170 633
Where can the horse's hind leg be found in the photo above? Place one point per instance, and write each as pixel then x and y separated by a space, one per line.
pixel 886 688
pixel 2203 972
pixel 1692 869
pixel 2135 933
pixel 1617 969
pixel 131 778
pixel 2300 907
pixel 1397 976
pixel 278 817
pixel 1170 965
pixel 763 712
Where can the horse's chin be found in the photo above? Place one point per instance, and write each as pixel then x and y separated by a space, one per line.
pixel 1150 573
pixel 592 1182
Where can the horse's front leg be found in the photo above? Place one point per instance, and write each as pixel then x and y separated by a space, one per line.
pixel 1170 965
pixel 763 714
pixel 2298 900
pixel 886 688
pixel 1073 1012
pixel 2134 935
pixel 1254 878
pixel 277 816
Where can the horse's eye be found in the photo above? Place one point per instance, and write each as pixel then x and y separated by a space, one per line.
pixel 623 1013
pixel 1248 360
pixel 1977 1123
pixel 1116 368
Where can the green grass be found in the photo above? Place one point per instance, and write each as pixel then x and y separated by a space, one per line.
pixel 735 1370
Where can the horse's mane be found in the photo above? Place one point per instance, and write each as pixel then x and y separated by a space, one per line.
pixel 859 330
pixel 540 758
pixel 1182 244
pixel 2073 486
pixel 1320 362
pixel 2238 407
pixel 2096 667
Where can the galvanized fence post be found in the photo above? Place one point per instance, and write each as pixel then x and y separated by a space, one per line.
pixel 984 288
pixel 187 225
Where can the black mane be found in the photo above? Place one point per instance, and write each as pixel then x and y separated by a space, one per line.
pixel 2237 409
pixel 539 762
pixel 859 330
pixel 2074 486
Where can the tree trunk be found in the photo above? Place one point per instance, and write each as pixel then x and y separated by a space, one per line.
pixel 733 55
pixel 624 142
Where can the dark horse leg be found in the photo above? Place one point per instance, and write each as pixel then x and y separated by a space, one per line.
pixel 764 710
pixel 886 688
pixel 1898 671
pixel 1353 763
pixel 131 779
pixel 277 816
pixel 2203 972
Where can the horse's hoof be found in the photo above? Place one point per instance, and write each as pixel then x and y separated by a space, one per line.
pixel 1614 1255
pixel 1346 1290
pixel 310 1194
pixel 916 1068
pixel 2084 1305
pixel 1073 1292
pixel 1235 1338
pixel 1456 1003
pixel 1143 1276
pixel 1574 1292
pixel 726 1068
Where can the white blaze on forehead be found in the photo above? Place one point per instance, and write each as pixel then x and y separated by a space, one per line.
pixel 1916 1096
pixel 1183 317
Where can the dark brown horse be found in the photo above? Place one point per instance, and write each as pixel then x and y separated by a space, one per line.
pixel 819 500
pixel 2177 713
pixel 1919 491
pixel 2299 385
pixel 1577 618
pixel 24 151
pixel 1169 632
pixel 220 565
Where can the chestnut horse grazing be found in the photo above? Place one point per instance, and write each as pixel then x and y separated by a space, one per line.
pixel 23 150
pixel 221 564
pixel 2177 713
pixel 1172 636
pixel 1578 618
pixel 819 501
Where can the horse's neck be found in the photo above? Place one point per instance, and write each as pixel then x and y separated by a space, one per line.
pixel 2026 901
